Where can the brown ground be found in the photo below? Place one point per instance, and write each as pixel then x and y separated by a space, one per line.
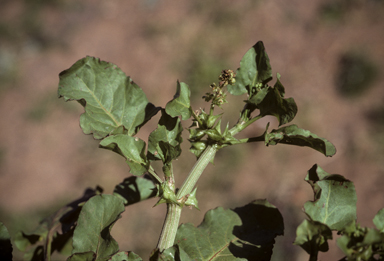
pixel 46 161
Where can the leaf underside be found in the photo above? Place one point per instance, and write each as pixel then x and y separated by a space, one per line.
pixel 335 199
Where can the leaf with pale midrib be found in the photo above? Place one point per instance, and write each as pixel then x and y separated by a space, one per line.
pixel 111 99
pixel 335 199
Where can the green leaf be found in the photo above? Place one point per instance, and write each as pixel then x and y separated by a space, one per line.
pixel 361 243
pixel 135 189
pixel 378 220
pixel 110 98
pixel 335 200
pixel 254 68
pixel 245 233
pixel 192 200
pixel 5 243
pixel 259 96
pixel 293 135
pixel 132 148
pixel 373 236
pixel 95 222
pixel 86 256
pixel 125 256
pixel 170 254
pixel 56 229
pixel 197 147
pixel 164 142
pixel 180 104
pixel 312 236
pixel 274 104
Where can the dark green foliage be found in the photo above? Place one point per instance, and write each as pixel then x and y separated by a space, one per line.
pixel 115 110
pixel 54 232
pixel 245 233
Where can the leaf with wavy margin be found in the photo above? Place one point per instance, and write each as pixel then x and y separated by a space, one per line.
pixel 180 104
pixel 293 135
pixel 110 98
pixel 245 233
pixel 335 199
pixel 131 148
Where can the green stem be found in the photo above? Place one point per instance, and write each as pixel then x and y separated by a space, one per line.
pixel 211 109
pixel 48 247
pixel 171 223
pixel 248 140
pixel 48 253
pixel 242 125
pixel 197 170
pixel 153 173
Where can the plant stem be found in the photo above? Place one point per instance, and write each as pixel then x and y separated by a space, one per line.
pixel 48 247
pixel 153 173
pixel 197 170
pixel 242 125
pixel 313 256
pixel 247 140
pixel 171 223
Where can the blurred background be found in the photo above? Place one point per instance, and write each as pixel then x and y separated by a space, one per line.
pixel 330 55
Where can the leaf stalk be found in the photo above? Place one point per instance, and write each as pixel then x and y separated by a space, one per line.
pixel 153 173
pixel 242 125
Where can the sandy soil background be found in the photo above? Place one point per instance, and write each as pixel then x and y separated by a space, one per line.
pixel 330 55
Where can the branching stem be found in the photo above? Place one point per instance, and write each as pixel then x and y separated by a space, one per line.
pixel 197 170
pixel 171 223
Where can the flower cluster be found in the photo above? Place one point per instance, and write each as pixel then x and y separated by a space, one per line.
pixel 217 96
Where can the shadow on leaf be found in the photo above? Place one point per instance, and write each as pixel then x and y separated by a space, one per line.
pixel 261 223
pixel 135 189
